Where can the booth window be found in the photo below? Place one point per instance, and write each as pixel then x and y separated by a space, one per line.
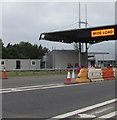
pixel 33 62
pixel 2 62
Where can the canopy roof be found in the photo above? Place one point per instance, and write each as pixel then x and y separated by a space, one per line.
pixel 85 35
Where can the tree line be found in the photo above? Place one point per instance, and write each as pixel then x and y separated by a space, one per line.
pixel 23 50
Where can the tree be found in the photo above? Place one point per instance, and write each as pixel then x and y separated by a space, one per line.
pixel 24 50
pixel 1 46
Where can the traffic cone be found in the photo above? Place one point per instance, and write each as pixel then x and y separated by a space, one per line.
pixel 68 80
pixel 73 77
pixel 4 74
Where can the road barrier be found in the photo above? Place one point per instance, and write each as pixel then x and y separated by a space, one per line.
pixel 83 76
pixel 108 74
pixel 115 72
pixel 95 75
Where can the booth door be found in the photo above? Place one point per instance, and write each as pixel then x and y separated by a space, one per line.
pixel 18 64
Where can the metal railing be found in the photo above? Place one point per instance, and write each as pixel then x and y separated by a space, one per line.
pixel 36 70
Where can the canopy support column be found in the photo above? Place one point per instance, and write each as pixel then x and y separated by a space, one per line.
pixel 80 54
pixel 86 52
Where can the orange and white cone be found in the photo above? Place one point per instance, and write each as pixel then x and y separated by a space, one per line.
pixel 4 74
pixel 68 80
pixel 73 77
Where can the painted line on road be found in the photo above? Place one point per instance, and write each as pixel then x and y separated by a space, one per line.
pixel 40 87
pixel 34 86
pixel 84 109
pixel 37 87
pixel 29 89
pixel 86 116
pixel 105 109
pixel 106 116
pixel 110 115
pixel 92 115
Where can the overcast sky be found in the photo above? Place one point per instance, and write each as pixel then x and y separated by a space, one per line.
pixel 25 21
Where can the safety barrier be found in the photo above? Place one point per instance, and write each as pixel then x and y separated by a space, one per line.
pixel 108 74
pixel 115 72
pixel 83 76
pixel 95 75
pixel 92 74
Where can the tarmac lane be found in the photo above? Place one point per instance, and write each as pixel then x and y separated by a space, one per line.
pixel 55 100
pixel 104 110
pixel 22 81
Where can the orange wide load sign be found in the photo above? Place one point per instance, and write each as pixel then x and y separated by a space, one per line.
pixel 103 32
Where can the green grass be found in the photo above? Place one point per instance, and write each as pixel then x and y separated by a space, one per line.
pixel 28 73
pixel 33 73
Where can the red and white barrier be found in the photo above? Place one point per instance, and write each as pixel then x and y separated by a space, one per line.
pixel 102 74
pixel 108 74
pixel 92 75
pixel 95 75
pixel 115 72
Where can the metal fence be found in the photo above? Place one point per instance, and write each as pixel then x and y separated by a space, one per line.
pixel 37 70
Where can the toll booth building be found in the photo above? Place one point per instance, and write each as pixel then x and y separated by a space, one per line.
pixel 106 60
pixel 70 58
pixel 23 64
pixel 64 59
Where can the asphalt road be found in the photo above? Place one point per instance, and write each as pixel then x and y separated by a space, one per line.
pixel 19 81
pixel 49 102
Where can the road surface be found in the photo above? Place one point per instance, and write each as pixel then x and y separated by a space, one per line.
pixel 51 99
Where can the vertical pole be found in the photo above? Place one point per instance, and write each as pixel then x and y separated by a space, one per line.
pixel 79 42
pixel 86 15
pixel 80 54
pixel 86 27
pixel 103 60
pixel 79 17
pixel 86 52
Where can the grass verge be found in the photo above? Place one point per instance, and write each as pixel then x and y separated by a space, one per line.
pixel 28 73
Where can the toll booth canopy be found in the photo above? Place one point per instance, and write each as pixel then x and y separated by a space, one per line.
pixel 85 35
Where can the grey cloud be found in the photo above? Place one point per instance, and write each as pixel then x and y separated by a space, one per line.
pixel 101 13
pixel 25 21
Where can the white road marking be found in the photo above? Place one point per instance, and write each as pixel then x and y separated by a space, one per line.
pixel 84 109
pixel 27 89
pixel 49 86
pixel 86 116
pixel 110 115
pixel 30 86
pixel 91 115
pixel 100 111
pixel 37 87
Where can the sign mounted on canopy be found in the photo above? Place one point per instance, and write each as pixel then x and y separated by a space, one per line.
pixel 103 32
